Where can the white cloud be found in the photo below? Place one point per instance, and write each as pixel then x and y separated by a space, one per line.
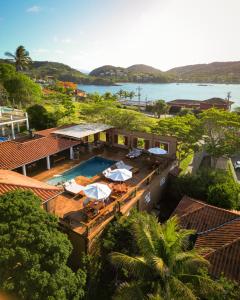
pixel 34 9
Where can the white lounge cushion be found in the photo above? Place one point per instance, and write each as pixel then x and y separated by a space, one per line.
pixel 74 188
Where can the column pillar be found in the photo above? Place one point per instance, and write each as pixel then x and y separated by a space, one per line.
pixel 13 132
pixel 71 153
pixel 18 127
pixel 24 170
pixel 3 131
pixel 48 163
pixel 27 122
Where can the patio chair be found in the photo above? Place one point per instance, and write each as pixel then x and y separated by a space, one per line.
pixel 72 187
pixel 121 165
pixel 134 153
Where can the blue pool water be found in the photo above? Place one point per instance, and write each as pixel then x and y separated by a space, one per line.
pixel 3 139
pixel 88 169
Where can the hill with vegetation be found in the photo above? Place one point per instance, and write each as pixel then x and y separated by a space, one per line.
pixel 216 72
pixel 134 73
pixel 59 71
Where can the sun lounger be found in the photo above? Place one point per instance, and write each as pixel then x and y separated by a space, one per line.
pixel 105 172
pixel 121 165
pixel 134 153
pixel 72 187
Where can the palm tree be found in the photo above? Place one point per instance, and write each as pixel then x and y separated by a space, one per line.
pixel 21 58
pixel 165 269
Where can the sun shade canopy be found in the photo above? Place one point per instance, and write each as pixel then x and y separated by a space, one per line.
pixel 97 191
pixel 119 175
pixel 82 130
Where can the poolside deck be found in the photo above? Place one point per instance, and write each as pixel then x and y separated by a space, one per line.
pixel 70 208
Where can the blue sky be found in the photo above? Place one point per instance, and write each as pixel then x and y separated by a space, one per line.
pixel 89 33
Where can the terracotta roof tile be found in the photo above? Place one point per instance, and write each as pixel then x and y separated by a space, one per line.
pixel 10 181
pixel 226 260
pixel 15 154
pixel 200 216
pixel 218 230
pixel 220 236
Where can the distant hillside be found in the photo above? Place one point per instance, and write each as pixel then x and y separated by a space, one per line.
pixel 143 69
pixel 42 69
pixel 135 73
pixel 216 72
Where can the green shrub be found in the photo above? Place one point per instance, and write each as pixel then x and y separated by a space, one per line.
pixel 225 195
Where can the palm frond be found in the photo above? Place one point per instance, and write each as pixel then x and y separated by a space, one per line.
pixel 179 290
pixel 203 284
pixel 9 54
pixel 128 291
pixel 158 264
pixel 135 265
pixel 143 238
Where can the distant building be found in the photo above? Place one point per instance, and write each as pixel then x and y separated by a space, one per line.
pixel 217 230
pixel 218 103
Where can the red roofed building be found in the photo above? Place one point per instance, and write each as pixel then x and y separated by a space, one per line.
pixel 218 230
pixel 22 154
pixel 218 103
pixel 10 181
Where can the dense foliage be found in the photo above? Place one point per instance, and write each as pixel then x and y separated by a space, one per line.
pixel 21 90
pixel 220 133
pixel 216 187
pixel 34 253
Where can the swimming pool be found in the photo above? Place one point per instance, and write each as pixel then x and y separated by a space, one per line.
pixel 3 139
pixel 88 169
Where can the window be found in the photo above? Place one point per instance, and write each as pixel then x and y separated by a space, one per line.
pixel 121 139
pixel 91 138
pixel 140 143
pixel 103 136
pixel 162 145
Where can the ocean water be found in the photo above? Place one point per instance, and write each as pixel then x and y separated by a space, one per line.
pixel 171 91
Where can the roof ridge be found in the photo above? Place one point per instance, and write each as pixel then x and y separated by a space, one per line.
pixel 33 187
pixel 223 247
pixel 209 205
pixel 219 226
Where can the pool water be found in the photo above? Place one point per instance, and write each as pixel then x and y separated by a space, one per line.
pixel 88 169
pixel 3 139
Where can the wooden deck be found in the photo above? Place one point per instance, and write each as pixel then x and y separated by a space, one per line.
pixel 70 208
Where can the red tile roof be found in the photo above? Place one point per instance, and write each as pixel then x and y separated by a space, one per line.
pixel 226 260
pixel 218 230
pixel 201 216
pixel 14 154
pixel 10 181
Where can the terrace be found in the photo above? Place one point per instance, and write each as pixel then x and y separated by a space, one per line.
pixel 11 121
pixel 72 209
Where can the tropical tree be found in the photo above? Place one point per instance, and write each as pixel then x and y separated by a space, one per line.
pixel 160 107
pixel 22 90
pixel 220 133
pixel 40 118
pixel 34 253
pixel 131 95
pixel 166 268
pixel 187 129
pixel 21 58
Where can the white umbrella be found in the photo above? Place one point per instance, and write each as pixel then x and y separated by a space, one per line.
pixel 157 151
pixel 119 175
pixel 97 191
